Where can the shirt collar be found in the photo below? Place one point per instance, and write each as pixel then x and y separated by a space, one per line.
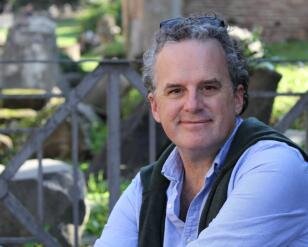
pixel 173 166
pixel 220 157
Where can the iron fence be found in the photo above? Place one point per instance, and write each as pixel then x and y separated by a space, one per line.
pixel 113 69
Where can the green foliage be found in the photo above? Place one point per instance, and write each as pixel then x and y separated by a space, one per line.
pixel 250 42
pixel 115 48
pixel 295 79
pixel 130 101
pixel 70 65
pixel 43 115
pixel 95 9
pixel 98 198
pixel 67 32
pixel 3 34
pixel 99 131
pixel 294 76
pixel 33 245
pixel 108 50
pixel 288 50
pixel 27 114
pixel 252 46
pixel 98 136
pixel 92 62
pixel 84 167
pixel 25 118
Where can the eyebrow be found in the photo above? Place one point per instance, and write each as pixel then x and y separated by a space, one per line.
pixel 209 81
pixel 172 85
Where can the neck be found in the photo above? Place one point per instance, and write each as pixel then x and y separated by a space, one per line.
pixel 195 172
pixel 195 169
pixel 196 163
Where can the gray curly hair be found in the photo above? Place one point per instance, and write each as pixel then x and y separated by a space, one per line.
pixel 197 28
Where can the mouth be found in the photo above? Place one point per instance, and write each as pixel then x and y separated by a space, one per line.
pixel 195 122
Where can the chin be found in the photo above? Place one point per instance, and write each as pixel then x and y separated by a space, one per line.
pixel 194 146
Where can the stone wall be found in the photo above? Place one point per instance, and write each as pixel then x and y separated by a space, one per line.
pixel 279 20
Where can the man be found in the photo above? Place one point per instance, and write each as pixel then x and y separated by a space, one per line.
pixel 225 181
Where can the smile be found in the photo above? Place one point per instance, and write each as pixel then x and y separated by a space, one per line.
pixel 195 121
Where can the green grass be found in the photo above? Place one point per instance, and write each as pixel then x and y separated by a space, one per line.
pixel 295 79
pixel 89 66
pixel 294 76
pixel 68 32
pixel 288 50
pixel 3 35
pixel 22 91
pixel 6 113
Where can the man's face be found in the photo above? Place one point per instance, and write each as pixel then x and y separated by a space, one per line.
pixel 194 99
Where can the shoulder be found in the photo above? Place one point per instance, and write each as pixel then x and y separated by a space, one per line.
pixel 273 160
pixel 270 178
pixel 272 151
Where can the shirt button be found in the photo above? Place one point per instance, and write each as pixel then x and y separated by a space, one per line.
pixel 169 205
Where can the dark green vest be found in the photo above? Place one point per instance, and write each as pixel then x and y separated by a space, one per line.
pixel 154 199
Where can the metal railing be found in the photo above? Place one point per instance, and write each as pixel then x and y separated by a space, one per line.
pixel 113 70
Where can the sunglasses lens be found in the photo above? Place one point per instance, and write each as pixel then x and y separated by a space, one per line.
pixel 204 20
pixel 170 22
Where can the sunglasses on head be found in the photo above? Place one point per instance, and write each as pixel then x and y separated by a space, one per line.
pixel 202 20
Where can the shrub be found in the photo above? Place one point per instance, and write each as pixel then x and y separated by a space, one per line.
pixel 93 10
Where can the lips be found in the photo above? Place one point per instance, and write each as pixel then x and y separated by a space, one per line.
pixel 197 121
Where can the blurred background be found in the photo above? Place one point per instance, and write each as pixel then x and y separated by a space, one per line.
pixel 70 142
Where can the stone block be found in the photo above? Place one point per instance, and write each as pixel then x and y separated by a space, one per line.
pixel 30 38
pixel 58 199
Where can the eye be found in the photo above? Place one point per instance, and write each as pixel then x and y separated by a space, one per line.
pixel 209 89
pixel 175 92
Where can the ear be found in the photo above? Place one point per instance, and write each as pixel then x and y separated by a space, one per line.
pixel 154 107
pixel 239 98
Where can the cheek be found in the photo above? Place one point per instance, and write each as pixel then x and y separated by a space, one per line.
pixel 169 114
pixel 163 111
pixel 224 106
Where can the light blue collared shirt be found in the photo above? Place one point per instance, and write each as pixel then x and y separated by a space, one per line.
pixel 267 203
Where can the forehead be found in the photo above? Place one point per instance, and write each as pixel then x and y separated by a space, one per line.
pixel 191 60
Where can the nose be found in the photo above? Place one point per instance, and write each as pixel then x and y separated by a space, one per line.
pixel 193 101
